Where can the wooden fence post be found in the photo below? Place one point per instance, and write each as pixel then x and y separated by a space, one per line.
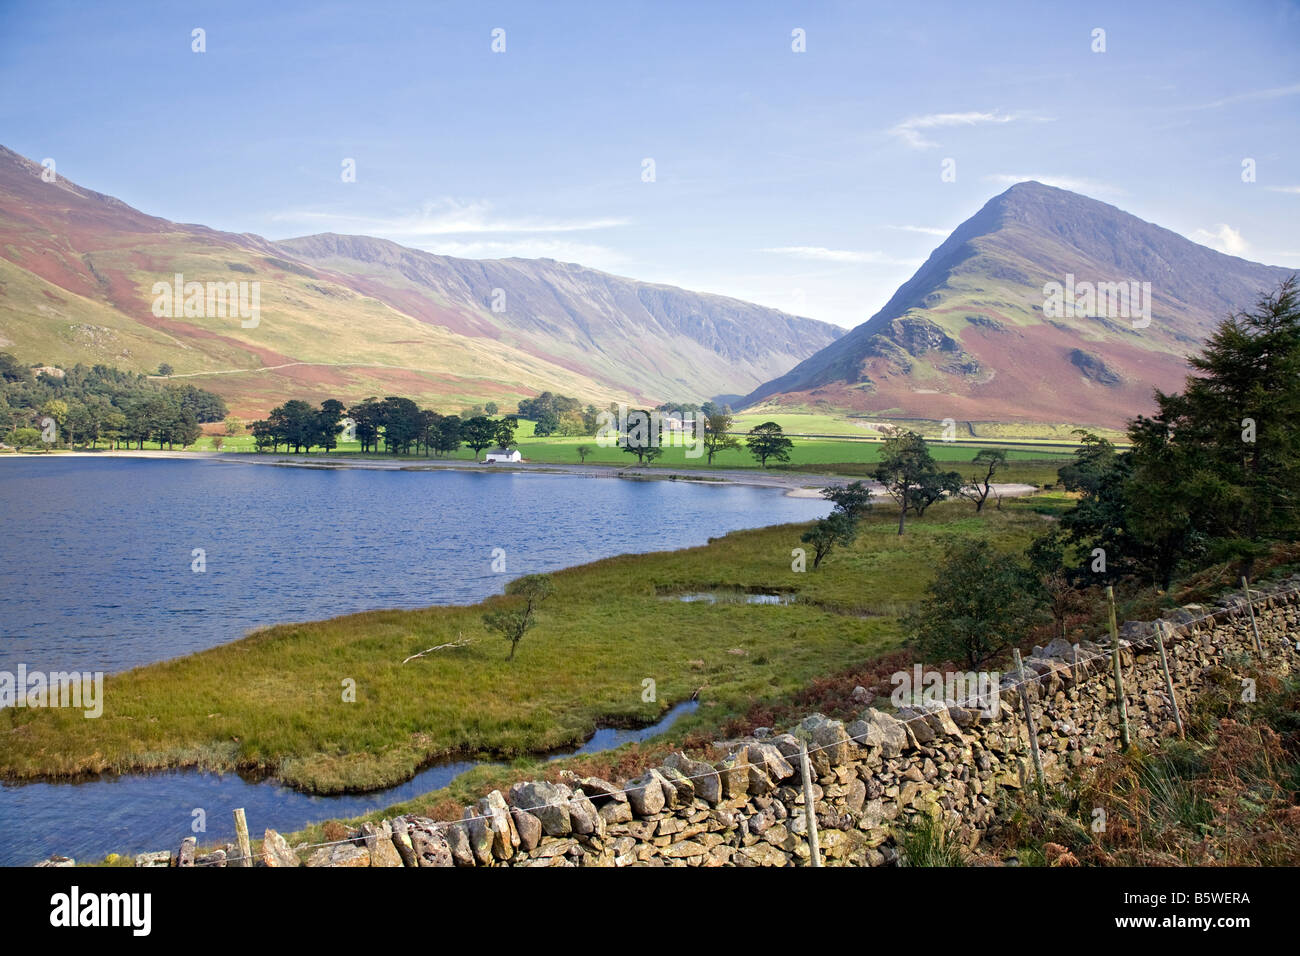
pixel 241 835
pixel 1119 677
pixel 1030 724
pixel 810 815
pixel 1169 681
pixel 1250 606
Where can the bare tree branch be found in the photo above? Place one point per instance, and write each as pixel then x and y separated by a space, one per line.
pixel 459 642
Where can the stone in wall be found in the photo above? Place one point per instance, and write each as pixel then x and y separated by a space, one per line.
pixel 871 777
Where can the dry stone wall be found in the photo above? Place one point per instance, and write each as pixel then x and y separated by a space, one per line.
pixel 871 775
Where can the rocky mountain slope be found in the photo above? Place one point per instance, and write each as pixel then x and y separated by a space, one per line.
pixel 973 335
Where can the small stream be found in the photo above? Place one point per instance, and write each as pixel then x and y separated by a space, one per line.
pixel 136 813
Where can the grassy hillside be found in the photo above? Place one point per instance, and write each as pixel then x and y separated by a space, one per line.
pixel 363 317
pixel 315 337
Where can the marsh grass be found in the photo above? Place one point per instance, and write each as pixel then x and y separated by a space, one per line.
pixel 273 701
pixel 925 843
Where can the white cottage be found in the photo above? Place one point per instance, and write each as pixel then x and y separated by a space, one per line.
pixel 503 454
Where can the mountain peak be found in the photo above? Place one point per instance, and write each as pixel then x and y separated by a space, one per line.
pixel 1032 186
pixel 968 336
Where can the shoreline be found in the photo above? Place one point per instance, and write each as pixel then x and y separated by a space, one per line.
pixel 188 749
pixel 371 645
pixel 795 485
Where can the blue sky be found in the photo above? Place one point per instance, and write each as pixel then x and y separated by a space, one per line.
pixel 806 181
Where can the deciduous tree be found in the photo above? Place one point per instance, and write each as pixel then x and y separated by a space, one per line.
pixel 988 462
pixel 523 595
pixel 768 441
pixel 716 434
pixel 978 605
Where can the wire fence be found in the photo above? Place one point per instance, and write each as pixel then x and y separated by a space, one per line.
pixel 848 738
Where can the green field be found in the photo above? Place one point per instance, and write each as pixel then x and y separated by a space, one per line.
pixel 820 453
pixel 274 701
pixel 843 456
pixel 823 423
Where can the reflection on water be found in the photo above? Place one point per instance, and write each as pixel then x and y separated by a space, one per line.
pixel 736 597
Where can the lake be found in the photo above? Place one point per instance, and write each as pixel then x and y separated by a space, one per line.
pixel 98 559
pixel 112 563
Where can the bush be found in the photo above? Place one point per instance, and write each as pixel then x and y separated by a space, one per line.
pixel 979 604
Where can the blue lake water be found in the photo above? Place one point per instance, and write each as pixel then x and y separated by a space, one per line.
pixel 97 561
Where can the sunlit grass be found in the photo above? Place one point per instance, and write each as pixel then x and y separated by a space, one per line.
pixel 274 701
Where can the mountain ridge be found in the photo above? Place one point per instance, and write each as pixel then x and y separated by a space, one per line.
pixel 77 267
pixel 731 328
pixel 967 337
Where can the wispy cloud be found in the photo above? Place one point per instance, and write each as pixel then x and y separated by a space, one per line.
pixel 1270 94
pixel 446 217
pixel 822 254
pixel 1228 240
pixel 583 253
pixel 924 230
pixel 1294 190
pixel 910 131
pixel 1072 183
pixel 1224 238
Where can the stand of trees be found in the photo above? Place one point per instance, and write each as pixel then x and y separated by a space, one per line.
pixel 1211 479
pixel 92 404
pixel 554 414
pixel 299 426
pixel 394 425
pixel 706 410
pixel 481 432
pixel 1214 475
pixel 912 477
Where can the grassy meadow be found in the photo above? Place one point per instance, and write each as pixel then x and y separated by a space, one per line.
pixel 827 423
pixel 274 701
pixel 854 455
